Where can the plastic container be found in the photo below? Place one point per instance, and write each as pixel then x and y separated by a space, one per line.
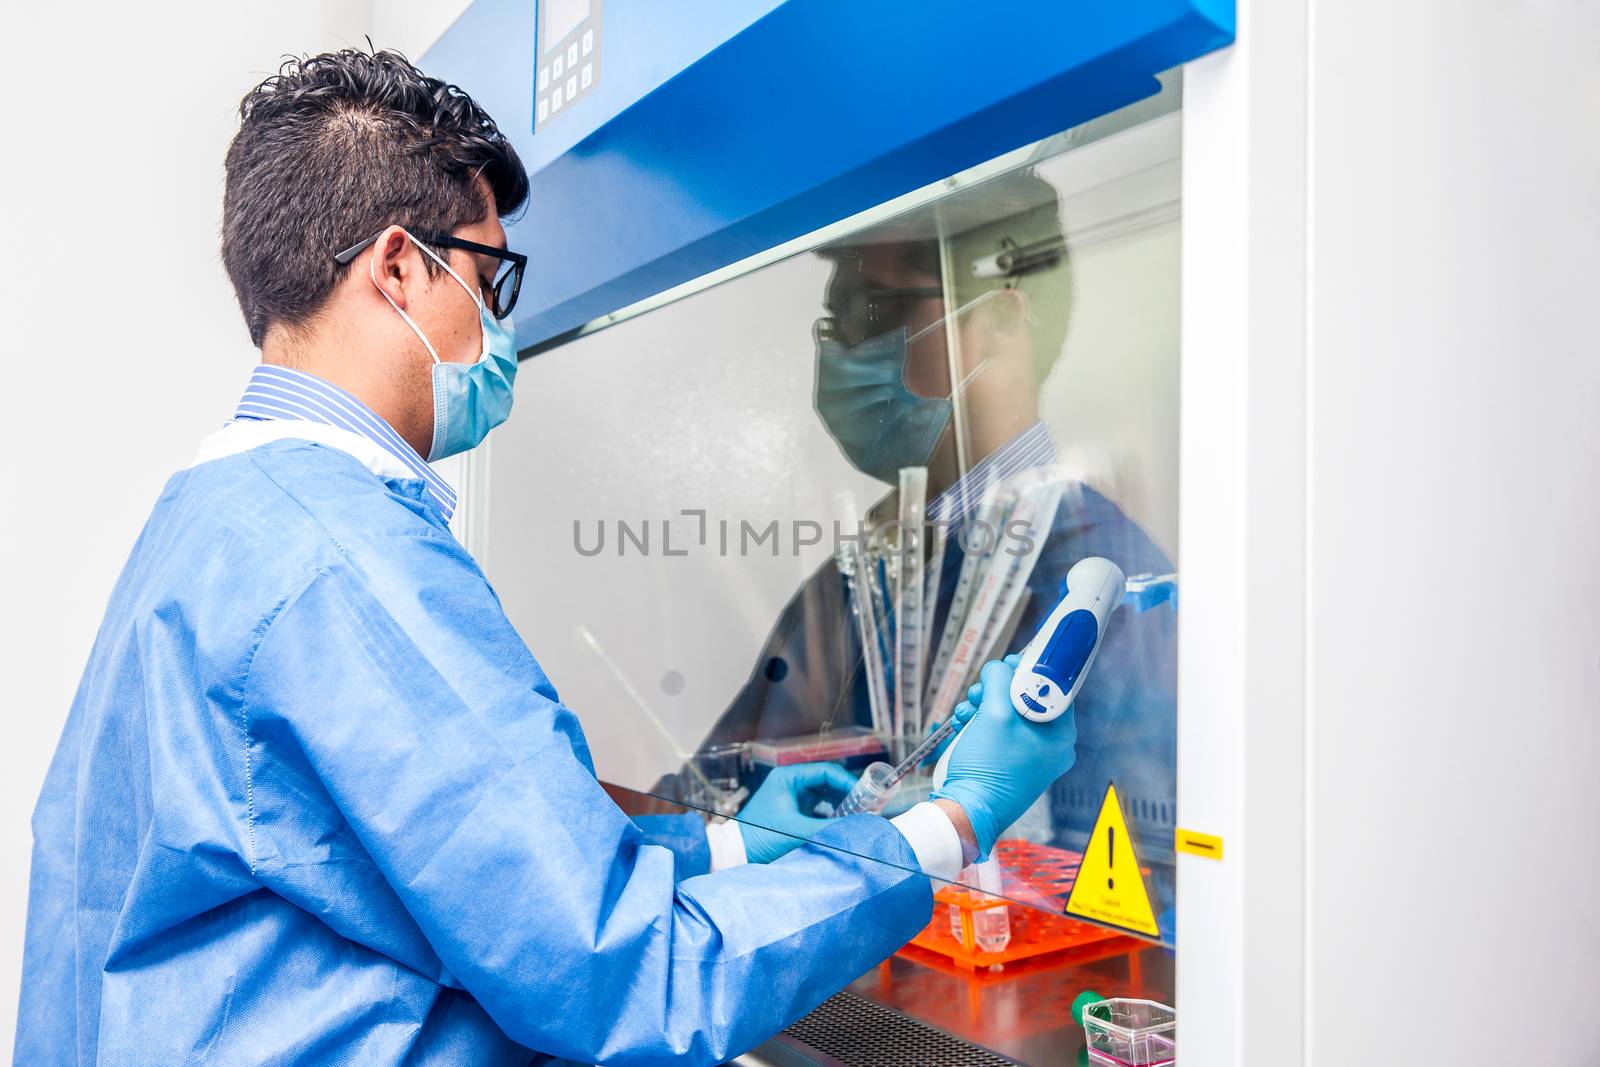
pixel 716 779
pixel 1130 1033
pixel 841 744
pixel 872 791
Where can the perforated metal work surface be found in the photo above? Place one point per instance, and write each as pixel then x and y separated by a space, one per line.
pixel 857 1032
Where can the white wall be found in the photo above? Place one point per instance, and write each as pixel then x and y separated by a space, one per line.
pixel 122 343
pixel 1389 688
pixel 1454 734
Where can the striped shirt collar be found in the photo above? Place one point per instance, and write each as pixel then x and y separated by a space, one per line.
pixel 1033 447
pixel 279 393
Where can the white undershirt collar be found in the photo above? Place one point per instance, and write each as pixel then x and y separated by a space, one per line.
pixel 243 435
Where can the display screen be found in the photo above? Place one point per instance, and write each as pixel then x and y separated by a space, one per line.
pixel 559 18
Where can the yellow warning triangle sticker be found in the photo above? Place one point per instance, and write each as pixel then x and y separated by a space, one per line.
pixel 1110 889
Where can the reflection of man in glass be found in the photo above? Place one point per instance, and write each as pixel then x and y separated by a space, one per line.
pixel 914 369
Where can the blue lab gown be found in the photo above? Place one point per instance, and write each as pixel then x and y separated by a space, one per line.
pixel 315 802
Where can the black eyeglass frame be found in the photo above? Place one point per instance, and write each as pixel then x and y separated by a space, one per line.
pixel 867 318
pixel 502 304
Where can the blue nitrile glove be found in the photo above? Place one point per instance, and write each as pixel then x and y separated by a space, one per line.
pixel 964 711
pixel 1001 762
pixel 778 817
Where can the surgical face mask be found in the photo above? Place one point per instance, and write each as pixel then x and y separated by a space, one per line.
pixel 862 397
pixel 469 399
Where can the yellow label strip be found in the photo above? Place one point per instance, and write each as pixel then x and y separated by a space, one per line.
pixel 1198 844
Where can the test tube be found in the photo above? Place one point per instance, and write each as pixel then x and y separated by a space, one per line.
pixel 996 592
pixel 934 567
pixel 991 516
pixel 991 927
pixel 871 792
pixel 1035 511
pixel 908 614
pixel 853 566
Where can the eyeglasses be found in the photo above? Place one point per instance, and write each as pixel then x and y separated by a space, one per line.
pixel 507 287
pixel 832 328
pixel 868 312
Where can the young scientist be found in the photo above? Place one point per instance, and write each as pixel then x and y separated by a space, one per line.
pixel 315 802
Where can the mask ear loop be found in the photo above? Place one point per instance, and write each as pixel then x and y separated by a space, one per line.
pixel 939 323
pixel 1027 308
pixel 372 272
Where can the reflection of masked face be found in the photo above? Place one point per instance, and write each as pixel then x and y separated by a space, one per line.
pixel 862 397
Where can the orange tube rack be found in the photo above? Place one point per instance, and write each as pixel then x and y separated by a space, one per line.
pixel 1037 880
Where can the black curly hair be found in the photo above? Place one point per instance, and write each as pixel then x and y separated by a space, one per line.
pixel 332 149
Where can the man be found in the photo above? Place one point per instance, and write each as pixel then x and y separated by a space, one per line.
pixel 884 391
pixel 315 802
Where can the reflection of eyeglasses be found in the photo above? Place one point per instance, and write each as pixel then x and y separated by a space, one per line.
pixel 507 287
pixel 869 312
pixel 828 328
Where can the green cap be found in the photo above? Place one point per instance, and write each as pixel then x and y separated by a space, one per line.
pixel 1083 1000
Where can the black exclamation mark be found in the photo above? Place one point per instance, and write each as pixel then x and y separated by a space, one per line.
pixel 1111 856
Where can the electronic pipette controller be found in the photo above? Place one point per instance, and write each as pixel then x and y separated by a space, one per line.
pixel 1054 664
pixel 1056 661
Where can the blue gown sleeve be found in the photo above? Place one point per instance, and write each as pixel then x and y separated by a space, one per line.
pixel 396 678
pixel 684 834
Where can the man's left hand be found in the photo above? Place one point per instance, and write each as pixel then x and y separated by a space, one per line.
pixel 778 817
